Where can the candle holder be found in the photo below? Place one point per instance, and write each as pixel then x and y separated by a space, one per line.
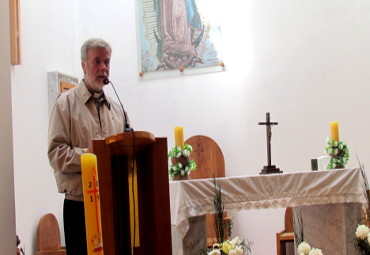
pixel 338 152
pixel 181 165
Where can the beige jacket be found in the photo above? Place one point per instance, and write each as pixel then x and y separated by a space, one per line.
pixel 74 123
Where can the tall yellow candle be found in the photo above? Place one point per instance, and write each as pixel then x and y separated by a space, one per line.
pixel 334 131
pixel 179 137
pixel 90 185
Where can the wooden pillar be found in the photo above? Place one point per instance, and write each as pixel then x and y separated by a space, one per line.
pixel 15 34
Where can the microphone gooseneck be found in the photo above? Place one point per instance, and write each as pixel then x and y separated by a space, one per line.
pixel 126 127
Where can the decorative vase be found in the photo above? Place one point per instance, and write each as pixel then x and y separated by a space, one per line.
pixel 183 160
pixel 339 166
pixel 180 177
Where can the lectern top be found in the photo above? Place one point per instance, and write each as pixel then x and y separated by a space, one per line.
pixel 124 142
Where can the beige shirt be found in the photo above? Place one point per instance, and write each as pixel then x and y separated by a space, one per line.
pixel 74 123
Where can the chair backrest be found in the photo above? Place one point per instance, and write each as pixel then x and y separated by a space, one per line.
pixel 210 163
pixel 289 219
pixel 48 235
pixel 208 157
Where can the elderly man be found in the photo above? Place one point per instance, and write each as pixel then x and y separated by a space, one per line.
pixel 80 115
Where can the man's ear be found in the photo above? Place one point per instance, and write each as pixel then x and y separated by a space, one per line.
pixel 83 64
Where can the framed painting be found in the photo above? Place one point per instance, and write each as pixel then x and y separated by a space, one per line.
pixel 178 35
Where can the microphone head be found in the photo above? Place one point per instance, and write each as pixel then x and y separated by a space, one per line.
pixel 106 81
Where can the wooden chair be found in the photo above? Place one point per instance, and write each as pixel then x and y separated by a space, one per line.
pixel 48 237
pixel 287 235
pixel 210 163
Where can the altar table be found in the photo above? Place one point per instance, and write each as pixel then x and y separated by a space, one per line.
pixel 195 197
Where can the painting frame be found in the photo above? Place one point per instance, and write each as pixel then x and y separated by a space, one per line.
pixel 178 37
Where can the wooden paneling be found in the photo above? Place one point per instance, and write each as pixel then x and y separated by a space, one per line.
pixel 15 34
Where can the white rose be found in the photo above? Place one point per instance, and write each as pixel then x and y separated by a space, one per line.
pixel 182 172
pixel 235 240
pixel 214 252
pixel 179 165
pixel 233 252
pixel 178 155
pixel 186 153
pixel 362 231
pixel 315 251
pixel 239 251
pixel 304 248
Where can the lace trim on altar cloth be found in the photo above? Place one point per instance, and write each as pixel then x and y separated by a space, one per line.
pixel 195 198
pixel 183 225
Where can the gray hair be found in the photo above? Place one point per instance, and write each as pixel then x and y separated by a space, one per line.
pixel 91 44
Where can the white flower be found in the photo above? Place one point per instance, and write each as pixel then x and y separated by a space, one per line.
pixel 235 240
pixel 236 251
pixel 315 251
pixel 186 153
pixel 304 248
pixel 179 165
pixel 233 252
pixel 178 155
pixel 214 252
pixel 182 172
pixel 335 144
pixel 362 231
pixel 328 140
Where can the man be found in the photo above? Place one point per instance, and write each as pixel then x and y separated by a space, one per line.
pixel 80 115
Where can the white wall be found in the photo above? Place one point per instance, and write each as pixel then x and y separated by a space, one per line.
pixel 304 61
pixel 7 206
pixel 48 44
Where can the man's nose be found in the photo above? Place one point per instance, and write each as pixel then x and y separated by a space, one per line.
pixel 103 66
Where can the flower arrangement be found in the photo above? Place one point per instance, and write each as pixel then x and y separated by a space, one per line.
pixel 305 248
pixel 362 240
pixel 225 246
pixel 181 164
pixel 233 247
pixel 339 153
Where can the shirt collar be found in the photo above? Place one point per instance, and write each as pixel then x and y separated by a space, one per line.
pixel 87 95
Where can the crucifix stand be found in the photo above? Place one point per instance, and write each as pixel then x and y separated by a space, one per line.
pixel 269 169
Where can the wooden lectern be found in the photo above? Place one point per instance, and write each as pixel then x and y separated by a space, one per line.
pixel 117 156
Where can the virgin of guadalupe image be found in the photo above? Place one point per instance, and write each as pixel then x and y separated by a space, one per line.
pixel 178 33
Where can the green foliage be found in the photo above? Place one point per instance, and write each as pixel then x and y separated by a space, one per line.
pixel 338 152
pixel 178 168
pixel 177 152
pixel 362 246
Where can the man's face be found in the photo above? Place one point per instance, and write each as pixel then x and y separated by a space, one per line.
pixel 96 68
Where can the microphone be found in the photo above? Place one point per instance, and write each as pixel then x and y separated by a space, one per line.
pixel 126 127
pixel 106 81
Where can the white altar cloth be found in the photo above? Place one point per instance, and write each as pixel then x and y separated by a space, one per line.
pixel 195 197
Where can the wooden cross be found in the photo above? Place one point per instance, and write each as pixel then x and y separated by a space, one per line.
pixel 269 169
